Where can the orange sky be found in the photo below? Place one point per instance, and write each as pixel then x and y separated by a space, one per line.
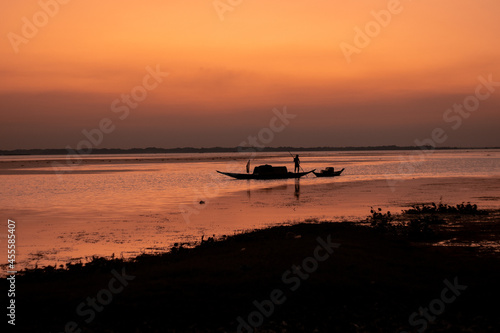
pixel 226 76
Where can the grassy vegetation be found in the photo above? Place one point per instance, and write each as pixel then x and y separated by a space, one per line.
pixel 422 222
pixel 441 208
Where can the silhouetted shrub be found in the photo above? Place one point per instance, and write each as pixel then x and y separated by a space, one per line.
pixel 469 209
pixel 380 221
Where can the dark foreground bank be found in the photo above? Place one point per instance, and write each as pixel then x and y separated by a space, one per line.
pixel 319 277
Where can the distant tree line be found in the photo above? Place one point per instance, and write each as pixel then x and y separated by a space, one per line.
pixel 155 150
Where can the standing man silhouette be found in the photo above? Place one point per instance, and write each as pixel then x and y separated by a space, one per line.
pixel 297 163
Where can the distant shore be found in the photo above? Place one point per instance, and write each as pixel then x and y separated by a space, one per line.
pixel 347 278
pixel 155 150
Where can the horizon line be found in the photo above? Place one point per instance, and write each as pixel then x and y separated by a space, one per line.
pixel 61 151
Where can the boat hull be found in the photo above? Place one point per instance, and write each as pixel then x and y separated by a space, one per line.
pixel 288 175
pixel 333 174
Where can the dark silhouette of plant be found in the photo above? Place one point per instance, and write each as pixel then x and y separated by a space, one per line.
pixel 419 228
pixel 380 221
pixel 469 209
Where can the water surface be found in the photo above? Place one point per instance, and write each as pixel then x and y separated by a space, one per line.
pixel 123 205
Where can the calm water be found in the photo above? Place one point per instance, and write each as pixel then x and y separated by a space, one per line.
pixel 132 207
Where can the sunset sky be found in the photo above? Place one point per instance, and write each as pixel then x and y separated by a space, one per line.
pixel 228 69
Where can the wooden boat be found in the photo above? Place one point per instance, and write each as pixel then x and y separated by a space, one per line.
pixel 328 172
pixel 267 172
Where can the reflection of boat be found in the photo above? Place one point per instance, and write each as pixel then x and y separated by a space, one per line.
pixel 267 172
pixel 328 172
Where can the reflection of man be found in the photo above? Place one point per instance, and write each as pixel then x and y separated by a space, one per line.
pixel 297 163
